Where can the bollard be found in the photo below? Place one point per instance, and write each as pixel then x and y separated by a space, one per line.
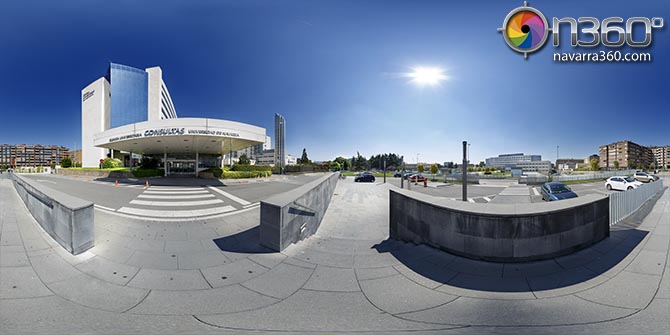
pixel 425 183
pixel 146 184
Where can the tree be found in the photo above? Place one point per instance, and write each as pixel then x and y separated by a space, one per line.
pixel 345 163
pixel 482 164
pixel 639 166
pixel 616 165
pixel 335 166
pixel 304 160
pixel 594 164
pixel 420 168
pixel 359 162
pixel 433 169
pixel 243 160
pixel 66 162
pixel 652 166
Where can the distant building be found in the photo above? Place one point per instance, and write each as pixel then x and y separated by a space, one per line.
pixel 568 163
pixel 280 140
pixel 32 155
pixel 253 152
pixel 533 166
pixel 508 161
pixel 627 153
pixel 661 156
pixel 268 157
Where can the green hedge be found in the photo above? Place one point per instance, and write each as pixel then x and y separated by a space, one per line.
pixel 109 163
pixel 245 174
pixel 240 167
pixel 143 173
pixel 217 172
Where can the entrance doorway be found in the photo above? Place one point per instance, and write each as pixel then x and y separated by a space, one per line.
pixel 181 168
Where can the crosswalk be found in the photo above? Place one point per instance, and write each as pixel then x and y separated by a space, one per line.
pixel 163 202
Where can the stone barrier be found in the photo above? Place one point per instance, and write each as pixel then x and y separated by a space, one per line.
pixel 67 219
pixel 499 232
pixel 294 215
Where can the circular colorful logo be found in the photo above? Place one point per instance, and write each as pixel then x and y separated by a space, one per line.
pixel 525 29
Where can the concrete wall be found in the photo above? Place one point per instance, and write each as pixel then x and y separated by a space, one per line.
pixel 67 219
pixel 95 173
pixel 499 232
pixel 294 215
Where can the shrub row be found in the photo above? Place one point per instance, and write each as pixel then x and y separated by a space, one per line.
pixel 109 163
pixel 244 174
pixel 143 173
pixel 240 167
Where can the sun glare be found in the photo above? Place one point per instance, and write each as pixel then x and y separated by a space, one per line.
pixel 427 76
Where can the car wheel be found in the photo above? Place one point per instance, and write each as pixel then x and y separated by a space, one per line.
pixel 609 187
pixel 630 188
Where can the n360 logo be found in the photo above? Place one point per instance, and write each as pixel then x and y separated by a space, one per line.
pixel 525 30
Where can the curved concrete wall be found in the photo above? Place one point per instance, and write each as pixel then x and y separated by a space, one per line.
pixel 294 215
pixel 499 232
pixel 67 219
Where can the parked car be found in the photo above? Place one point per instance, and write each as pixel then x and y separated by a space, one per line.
pixel 365 177
pixel 621 183
pixel 406 175
pixel 644 177
pixel 397 174
pixel 553 191
pixel 416 178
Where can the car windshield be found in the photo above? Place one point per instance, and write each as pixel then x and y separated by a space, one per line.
pixel 559 188
pixel 629 179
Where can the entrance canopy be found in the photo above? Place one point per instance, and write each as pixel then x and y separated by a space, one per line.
pixel 181 135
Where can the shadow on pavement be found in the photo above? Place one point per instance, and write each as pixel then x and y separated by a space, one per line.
pixel 247 241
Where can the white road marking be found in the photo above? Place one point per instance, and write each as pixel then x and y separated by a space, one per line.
pixel 105 208
pixel 252 205
pixel 230 196
pixel 176 203
pixel 46 181
pixel 175 214
pixel 487 199
pixel 193 196
pixel 536 191
pixel 471 200
pixel 162 188
pixel 152 191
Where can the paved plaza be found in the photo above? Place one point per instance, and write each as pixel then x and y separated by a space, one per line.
pixel 210 275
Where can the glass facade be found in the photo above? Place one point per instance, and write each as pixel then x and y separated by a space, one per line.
pixel 130 94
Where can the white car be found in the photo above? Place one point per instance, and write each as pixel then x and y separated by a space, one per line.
pixel 621 183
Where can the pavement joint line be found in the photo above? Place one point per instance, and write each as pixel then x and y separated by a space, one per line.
pixel 139 302
pixel 158 192
pixel 176 203
pixel 576 295
pixel 205 278
pixel 194 196
pixel 176 213
pixel 230 196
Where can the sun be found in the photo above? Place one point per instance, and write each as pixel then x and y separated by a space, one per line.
pixel 427 76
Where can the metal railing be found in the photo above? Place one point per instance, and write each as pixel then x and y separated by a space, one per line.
pixel 625 203
pixel 598 175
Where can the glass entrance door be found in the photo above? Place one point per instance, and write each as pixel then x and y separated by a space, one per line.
pixel 181 167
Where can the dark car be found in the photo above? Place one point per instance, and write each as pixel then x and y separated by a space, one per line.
pixel 417 178
pixel 365 177
pixel 556 191
pixel 406 175
pixel 397 174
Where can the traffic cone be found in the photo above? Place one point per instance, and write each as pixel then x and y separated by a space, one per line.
pixel 116 183
pixel 146 184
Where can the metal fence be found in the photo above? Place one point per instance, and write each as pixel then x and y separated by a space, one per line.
pixel 599 175
pixel 625 203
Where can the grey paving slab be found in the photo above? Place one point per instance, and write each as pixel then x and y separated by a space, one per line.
pixel 20 282
pixel 14 258
pixel 154 260
pixel 11 249
pixel 145 244
pixel 113 250
pixel 606 245
pixel 483 286
pixel 52 268
pixel 325 258
pixel 565 282
pixel 55 315
pixel 648 262
pixel 397 294
pixel 279 282
pixel 375 260
pixel 552 311
pixel 316 312
pixel 426 274
pixel 332 245
pixel 299 263
pixel 332 279
pixel 104 269
pixel 664 287
pixel 169 280
pixel 268 260
pixel 183 246
pixel 657 243
pixel 232 273
pixel 578 258
pixel 201 259
pixel 470 266
pixel 440 259
pixel 374 273
pixel 11 238
pixel 95 293
pixel 230 299
pixel 629 290
pixel 539 268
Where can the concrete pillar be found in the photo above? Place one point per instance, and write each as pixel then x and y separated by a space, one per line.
pixel 197 161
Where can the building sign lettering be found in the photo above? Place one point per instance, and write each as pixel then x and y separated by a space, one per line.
pixel 173 132
pixel 87 95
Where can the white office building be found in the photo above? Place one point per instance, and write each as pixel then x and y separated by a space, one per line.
pixel 510 160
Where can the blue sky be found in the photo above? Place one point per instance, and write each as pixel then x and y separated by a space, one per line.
pixel 331 68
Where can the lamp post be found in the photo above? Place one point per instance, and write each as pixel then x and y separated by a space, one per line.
pixel 464 167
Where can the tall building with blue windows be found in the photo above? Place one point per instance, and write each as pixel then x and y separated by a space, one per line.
pixel 128 114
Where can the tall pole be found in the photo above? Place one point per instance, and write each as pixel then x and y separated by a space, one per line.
pixel 557 158
pixel 464 167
